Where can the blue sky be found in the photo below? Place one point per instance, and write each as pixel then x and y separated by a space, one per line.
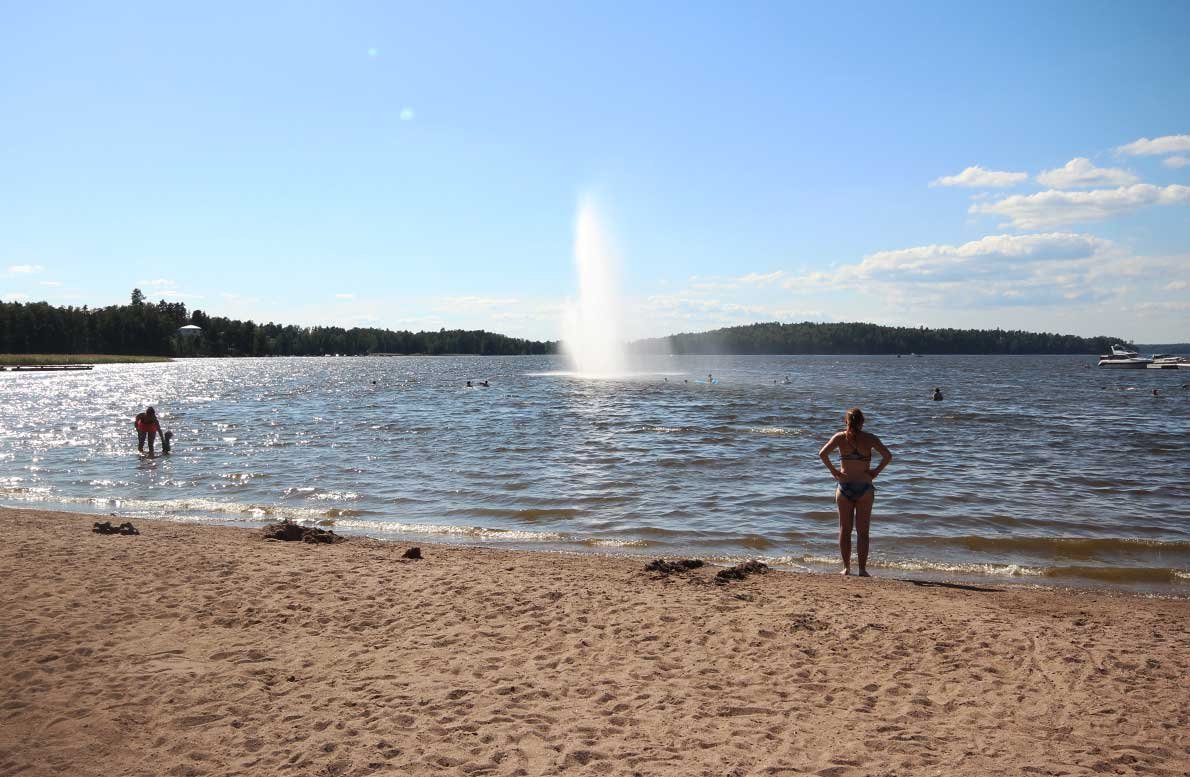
pixel 420 165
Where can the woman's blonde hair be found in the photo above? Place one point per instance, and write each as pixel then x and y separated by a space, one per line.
pixel 854 418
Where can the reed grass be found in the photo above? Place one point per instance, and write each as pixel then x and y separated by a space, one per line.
pixel 29 359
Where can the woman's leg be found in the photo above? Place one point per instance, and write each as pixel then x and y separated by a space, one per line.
pixel 863 518
pixel 846 519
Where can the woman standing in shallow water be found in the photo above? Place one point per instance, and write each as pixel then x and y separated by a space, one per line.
pixel 856 493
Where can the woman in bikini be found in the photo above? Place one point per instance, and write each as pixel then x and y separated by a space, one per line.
pixel 856 493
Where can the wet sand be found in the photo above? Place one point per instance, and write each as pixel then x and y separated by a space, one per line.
pixel 200 650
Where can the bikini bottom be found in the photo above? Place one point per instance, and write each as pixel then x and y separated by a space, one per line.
pixel 855 491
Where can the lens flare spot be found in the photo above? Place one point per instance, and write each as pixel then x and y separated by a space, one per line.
pixel 406 114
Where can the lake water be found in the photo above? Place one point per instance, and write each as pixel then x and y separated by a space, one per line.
pixel 1033 469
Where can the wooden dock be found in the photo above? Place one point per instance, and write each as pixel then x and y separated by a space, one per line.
pixel 46 367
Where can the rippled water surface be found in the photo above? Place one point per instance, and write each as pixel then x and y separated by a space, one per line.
pixel 1039 468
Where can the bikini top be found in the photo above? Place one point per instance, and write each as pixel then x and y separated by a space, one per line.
pixel 855 455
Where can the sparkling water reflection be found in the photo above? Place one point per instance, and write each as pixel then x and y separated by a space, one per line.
pixel 1033 467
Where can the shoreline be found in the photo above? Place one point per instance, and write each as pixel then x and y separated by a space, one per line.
pixel 994 573
pixel 194 649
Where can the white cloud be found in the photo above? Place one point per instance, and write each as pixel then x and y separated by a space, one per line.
pixel 175 294
pixel 686 311
pixel 344 296
pixel 723 283
pixel 761 279
pixel 1176 161
pixel 24 269
pixel 1152 306
pixel 14 297
pixel 977 177
pixel 1166 144
pixel 1177 285
pixel 473 303
pixel 49 283
pixel 994 254
pixel 1053 208
pixel 812 281
pixel 1046 273
pixel 1080 172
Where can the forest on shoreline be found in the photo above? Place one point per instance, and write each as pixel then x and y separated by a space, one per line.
pixel 857 338
pixel 145 328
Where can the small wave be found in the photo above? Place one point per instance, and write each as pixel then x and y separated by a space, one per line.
pixel 529 514
pixel 693 461
pixel 242 477
pixel 336 512
pixel 596 542
pixel 1079 547
pixel 917 565
pixel 1122 574
pixel 447 530
pixel 1107 574
pixel 756 542
pixel 26 493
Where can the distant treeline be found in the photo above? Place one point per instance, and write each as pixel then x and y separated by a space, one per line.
pixel 142 327
pixel 809 338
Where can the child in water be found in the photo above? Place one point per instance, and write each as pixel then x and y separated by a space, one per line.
pixel 147 426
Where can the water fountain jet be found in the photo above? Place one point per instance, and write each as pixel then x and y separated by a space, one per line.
pixel 592 338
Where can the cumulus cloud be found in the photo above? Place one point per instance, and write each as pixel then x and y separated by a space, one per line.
pixel 15 296
pixel 1080 172
pixel 1054 208
pixel 1055 271
pixel 1177 285
pixel 1166 144
pixel 994 254
pixel 24 269
pixel 344 296
pixel 1176 161
pixel 49 283
pixel 979 178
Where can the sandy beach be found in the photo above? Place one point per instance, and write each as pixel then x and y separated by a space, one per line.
pixel 202 650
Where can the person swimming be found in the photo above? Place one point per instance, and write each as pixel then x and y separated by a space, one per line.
pixel 937 394
pixel 855 493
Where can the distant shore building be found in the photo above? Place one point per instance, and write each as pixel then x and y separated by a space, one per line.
pixel 190 330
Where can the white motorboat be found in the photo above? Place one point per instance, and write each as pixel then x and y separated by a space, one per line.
pixel 1165 361
pixel 1121 358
